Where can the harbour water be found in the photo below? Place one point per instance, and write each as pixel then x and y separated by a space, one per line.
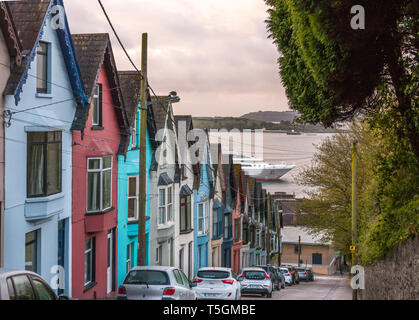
pixel 277 148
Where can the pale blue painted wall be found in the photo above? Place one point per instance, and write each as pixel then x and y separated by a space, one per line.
pixel 128 232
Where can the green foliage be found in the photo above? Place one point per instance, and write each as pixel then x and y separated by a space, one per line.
pixel 387 190
pixel 332 72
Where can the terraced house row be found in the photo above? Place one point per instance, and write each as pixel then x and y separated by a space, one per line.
pixel 69 168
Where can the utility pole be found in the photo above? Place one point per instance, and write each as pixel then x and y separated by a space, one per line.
pixel 142 175
pixel 354 213
pixel 299 249
pixel 268 246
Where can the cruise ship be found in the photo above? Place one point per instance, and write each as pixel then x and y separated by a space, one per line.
pixel 259 169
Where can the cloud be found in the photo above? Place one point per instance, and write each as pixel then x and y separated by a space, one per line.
pixel 214 53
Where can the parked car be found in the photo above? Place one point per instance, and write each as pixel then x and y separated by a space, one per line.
pixel 281 277
pixel 289 280
pixel 302 273
pixel 255 281
pixel 294 273
pixel 156 283
pixel 25 285
pixel 276 281
pixel 310 274
pixel 217 283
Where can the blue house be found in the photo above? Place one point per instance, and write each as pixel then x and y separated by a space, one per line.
pixel 202 197
pixel 42 97
pixel 128 182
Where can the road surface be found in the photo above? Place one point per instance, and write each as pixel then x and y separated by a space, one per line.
pixel 323 288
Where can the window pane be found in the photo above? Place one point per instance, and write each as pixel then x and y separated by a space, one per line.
pixel 169 195
pixel 93 191
pixel 132 192
pixel 10 289
pixel 162 197
pixel 54 168
pixel 132 208
pixel 36 137
pixel 23 288
pixel 107 186
pixel 31 253
pixel 35 170
pixel 107 162
pixel 94 164
pixel 44 292
pixel 188 214
pixel 183 217
pixel 162 212
pixel 169 213
pixel 42 68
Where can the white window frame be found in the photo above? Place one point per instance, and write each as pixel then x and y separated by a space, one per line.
pixel 101 171
pixel 162 207
pixel 129 256
pixel 204 218
pixel 167 207
pixel 136 177
pixel 96 98
pixel 90 250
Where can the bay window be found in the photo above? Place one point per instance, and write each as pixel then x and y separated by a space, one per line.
pixel 44 162
pixel 99 184
pixel 162 206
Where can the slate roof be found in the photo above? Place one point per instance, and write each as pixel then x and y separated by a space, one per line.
pixel 28 17
pixel 160 112
pixel 130 82
pixel 93 51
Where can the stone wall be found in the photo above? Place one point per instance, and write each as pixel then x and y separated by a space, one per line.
pixel 396 277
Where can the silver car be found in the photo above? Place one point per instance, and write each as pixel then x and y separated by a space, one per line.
pixel 25 285
pixel 255 281
pixel 156 283
pixel 217 284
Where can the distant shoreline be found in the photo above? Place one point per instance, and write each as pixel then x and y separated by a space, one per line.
pixel 230 123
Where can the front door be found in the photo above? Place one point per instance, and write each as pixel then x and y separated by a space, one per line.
pixel 110 261
pixel 61 249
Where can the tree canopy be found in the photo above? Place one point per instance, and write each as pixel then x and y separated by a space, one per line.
pixel 332 72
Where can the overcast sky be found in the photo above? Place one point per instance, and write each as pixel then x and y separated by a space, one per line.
pixel 214 53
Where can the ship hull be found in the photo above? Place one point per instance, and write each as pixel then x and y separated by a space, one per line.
pixel 267 174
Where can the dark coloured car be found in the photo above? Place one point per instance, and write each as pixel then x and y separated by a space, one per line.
pixel 276 280
pixel 310 274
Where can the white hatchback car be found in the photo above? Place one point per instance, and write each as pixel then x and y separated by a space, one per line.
pixel 287 276
pixel 216 284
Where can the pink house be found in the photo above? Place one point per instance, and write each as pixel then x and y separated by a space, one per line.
pixel 100 135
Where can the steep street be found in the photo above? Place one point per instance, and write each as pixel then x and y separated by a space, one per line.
pixel 323 288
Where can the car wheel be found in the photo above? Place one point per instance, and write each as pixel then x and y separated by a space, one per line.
pixel 269 295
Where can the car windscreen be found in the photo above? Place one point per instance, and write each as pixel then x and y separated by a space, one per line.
pixel 213 274
pixel 149 277
pixel 301 270
pixel 285 271
pixel 254 275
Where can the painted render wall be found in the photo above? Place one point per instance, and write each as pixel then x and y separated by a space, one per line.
pixel 128 231
pixel 201 242
pixel 58 207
